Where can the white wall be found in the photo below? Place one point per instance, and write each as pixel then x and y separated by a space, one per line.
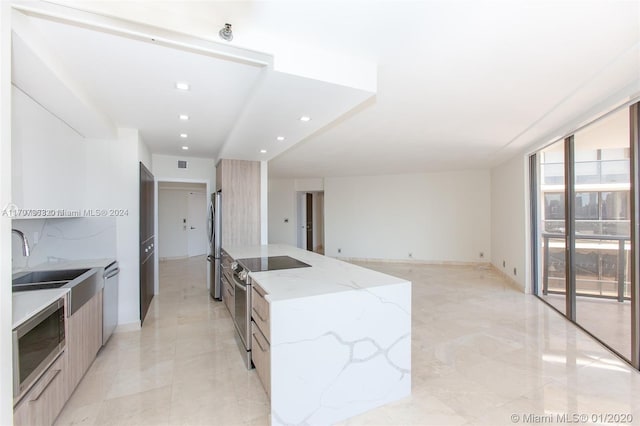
pixel 435 216
pixel 282 206
pixel 309 184
pixel 82 173
pixel 6 372
pixel 113 184
pixel 165 168
pixel 57 239
pixel 172 235
pixel 144 154
pixel 47 155
pixel 509 219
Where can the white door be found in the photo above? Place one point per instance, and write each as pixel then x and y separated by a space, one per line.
pixel 197 224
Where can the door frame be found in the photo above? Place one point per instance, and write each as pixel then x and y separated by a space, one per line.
pixel 301 217
pixel 159 179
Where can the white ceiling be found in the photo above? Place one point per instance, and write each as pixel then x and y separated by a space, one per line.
pixel 133 82
pixel 97 74
pixel 461 84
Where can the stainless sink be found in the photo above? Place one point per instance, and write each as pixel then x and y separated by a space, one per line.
pixel 41 277
pixel 38 286
pixel 82 283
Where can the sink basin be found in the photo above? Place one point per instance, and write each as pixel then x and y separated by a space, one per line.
pixel 38 286
pixel 80 290
pixel 41 277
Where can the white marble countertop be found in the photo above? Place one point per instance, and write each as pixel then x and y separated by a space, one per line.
pixel 326 275
pixel 28 303
pixel 68 264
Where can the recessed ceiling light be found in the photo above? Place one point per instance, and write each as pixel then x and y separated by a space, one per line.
pixel 185 148
pixel 263 151
pixel 184 117
pixel 280 138
pixel 184 135
pixel 305 118
pixel 182 86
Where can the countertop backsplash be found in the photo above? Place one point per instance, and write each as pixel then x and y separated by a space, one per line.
pixel 61 239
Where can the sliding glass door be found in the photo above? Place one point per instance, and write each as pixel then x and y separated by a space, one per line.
pixel 602 231
pixel 552 226
pixel 583 221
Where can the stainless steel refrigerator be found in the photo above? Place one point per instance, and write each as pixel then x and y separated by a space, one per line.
pixel 214 227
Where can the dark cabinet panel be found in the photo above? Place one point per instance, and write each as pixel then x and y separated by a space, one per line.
pixel 147 240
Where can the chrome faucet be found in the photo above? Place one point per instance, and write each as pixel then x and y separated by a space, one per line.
pixel 25 242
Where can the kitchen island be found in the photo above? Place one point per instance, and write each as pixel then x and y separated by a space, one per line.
pixel 338 337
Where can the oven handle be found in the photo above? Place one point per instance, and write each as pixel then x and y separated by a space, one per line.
pixel 238 284
pixel 111 273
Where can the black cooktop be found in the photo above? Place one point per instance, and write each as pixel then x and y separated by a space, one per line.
pixel 272 263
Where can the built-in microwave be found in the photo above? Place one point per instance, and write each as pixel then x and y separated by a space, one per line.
pixel 36 344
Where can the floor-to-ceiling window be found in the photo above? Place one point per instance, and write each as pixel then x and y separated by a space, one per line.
pixel 552 225
pixel 583 220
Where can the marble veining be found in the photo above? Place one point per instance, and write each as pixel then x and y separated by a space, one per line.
pixel 64 239
pixel 318 380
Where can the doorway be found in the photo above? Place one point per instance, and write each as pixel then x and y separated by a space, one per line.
pixel 182 216
pixel 310 221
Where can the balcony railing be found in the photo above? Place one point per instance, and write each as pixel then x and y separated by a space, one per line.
pixel 591 245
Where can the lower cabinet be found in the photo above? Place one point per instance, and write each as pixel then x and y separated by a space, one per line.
pixel 261 357
pixel 260 335
pixel 44 401
pixel 84 339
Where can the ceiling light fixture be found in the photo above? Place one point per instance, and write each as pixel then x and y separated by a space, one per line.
pixel 182 85
pixel 186 148
pixel 183 117
pixel 305 118
pixel 280 138
pixel 184 135
pixel 263 151
pixel 225 33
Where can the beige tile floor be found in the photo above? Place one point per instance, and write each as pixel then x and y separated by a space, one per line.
pixel 482 352
pixel 607 319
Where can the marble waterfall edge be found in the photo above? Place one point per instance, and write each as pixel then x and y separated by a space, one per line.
pixel 337 355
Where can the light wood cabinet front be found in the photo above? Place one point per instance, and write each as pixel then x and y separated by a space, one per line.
pixel 44 401
pixel 239 181
pixel 260 310
pixel 84 339
pixel 261 357
pixel 261 335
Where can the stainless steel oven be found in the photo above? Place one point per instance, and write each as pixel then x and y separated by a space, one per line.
pixel 36 344
pixel 242 320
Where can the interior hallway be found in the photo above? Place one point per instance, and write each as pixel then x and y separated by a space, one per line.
pixel 482 352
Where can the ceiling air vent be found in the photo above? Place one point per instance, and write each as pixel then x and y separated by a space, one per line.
pixel 182 164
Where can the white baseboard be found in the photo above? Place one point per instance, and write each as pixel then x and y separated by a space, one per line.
pixel 509 278
pixel 414 261
pixel 488 265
